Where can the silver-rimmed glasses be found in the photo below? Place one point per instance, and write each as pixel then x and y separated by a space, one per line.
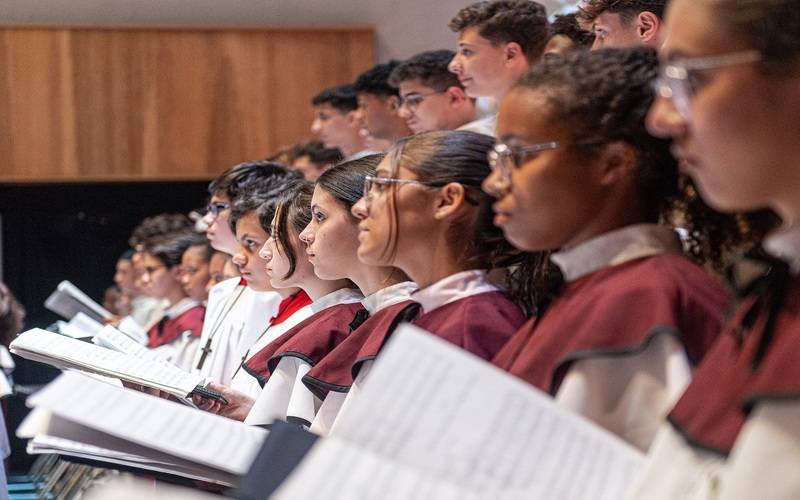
pixel 504 158
pixel 677 79
pixel 377 185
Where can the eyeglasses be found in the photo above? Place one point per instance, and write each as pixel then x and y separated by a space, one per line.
pixel 377 185
pixel 678 80
pixel 215 208
pixel 414 99
pixel 504 158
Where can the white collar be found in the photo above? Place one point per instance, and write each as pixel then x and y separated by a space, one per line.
pixel 385 297
pixel 784 244
pixel 615 248
pixel 452 288
pixel 340 296
pixel 180 307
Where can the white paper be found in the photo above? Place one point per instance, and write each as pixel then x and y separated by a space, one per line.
pixel 132 329
pixel 111 338
pixel 67 300
pixel 73 291
pixel 434 408
pixel 150 423
pixel 64 352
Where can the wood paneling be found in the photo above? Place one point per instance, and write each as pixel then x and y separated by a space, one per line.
pixel 100 104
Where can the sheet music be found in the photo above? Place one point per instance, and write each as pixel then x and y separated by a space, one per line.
pixel 67 300
pixel 154 423
pixel 64 352
pixel 79 327
pixel 437 410
pixel 73 291
pixel 132 329
pixel 111 338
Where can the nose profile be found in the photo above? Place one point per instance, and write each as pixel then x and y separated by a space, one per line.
pixel 664 120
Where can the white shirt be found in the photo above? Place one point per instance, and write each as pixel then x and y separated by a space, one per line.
pixel 285 395
pixel 453 288
pixel 486 125
pixel 181 350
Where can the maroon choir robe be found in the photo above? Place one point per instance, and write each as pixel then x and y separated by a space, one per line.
pixel 167 330
pixel 610 318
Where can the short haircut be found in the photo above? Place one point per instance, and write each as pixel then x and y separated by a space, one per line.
pixel 340 97
pixel 568 26
pixel 158 226
pixel 245 177
pixel 589 10
pixel 264 192
pixel 127 254
pixel 317 153
pixel 376 80
pixel 169 248
pixel 505 21
pixel 430 68
pixel 206 251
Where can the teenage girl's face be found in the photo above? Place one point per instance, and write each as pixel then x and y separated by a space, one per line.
pixel 331 237
pixel 378 228
pixel 740 140
pixel 251 237
pixel 157 279
pixel 553 194
pixel 277 261
pixel 219 231
pixel 194 273
pixel 216 270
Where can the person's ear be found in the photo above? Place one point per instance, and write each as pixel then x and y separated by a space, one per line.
pixel 618 162
pixel 456 96
pixel 449 201
pixel 648 26
pixel 512 52
pixel 352 119
pixel 176 272
pixel 393 103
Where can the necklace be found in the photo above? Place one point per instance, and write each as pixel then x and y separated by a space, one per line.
pixel 226 309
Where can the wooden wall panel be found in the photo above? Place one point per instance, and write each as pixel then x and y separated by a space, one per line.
pixel 151 104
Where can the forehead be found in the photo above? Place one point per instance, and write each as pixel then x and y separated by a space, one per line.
pixel 366 97
pixel 691 30
pixel 414 86
pixel 328 109
pixel 471 36
pixel 249 224
pixel 610 20
pixel 524 113
pixel 149 260
pixel 220 197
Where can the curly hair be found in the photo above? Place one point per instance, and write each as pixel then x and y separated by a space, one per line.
pixel 159 226
pixel 341 97
pixel 568 26
pixel 376 80
pixel 770 26
pixel 505 21
pixel 589 10
pixel 603 97
pixel 442 157
pixel 430 68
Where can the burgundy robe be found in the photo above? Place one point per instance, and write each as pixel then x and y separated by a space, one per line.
pixel 335 371
pixel 617 311
pixel 168 329
pixel 731 380
pixel 310 340
pixel 480 323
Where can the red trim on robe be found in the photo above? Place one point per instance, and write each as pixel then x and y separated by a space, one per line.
pixel 481 324
pixel 715 406
pixel 616 311
pixel 191 319
pixel 242 282
pixel 310 340
pixel 334 371
pixel 290 305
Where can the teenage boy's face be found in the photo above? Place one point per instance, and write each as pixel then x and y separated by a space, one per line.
pixel 424 108
pixel 479 65
pixel 332 126
pixel 251 238
pixel 612 31
pixel 377 114
pixel 219 232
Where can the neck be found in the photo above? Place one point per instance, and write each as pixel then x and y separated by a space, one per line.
pixel 317 288
pixel 610 217
pixel 287 292
pixel 370 279
pixel 353 146
pixel 427 264
pixel 174 296
pixel 469 114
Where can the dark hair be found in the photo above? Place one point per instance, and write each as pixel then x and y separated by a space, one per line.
pixel 445 156
pixel 567 25
pixel 430 68
pixel 169 248
pixel 205 248
pixel 159 226
pixel 604 96
pixel 292 209
pixel 770 26
pixel 345 181
pixel 245 177
pixel 506 21
pixel 376 80
pixel 127 254
pixel 317 153
pixel 340 97
pixel 263 192
pixel 589 10
pixel 12 315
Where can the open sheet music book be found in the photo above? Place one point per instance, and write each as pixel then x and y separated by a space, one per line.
pixel 64 352
pixel 80 326
pixel 79 416
pixel 434 421
pixel 67 300
pixel 111 338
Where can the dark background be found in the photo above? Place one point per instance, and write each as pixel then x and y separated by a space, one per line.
pixel 75 232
